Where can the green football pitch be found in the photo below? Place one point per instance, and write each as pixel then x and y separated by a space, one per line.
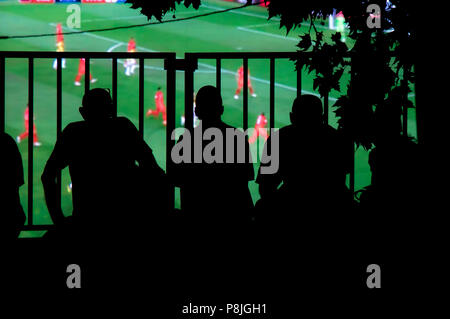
pixel 245 30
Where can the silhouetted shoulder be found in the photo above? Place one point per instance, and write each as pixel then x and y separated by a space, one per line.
pixel 115 125
pixel 11 161
pixel 288 130
pixel 74 127
pixel 125 122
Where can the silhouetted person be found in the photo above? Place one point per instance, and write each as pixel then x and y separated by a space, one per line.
pixel 215 191
pixel 396 193
pixel 310 182
pixel 12 216
pixel 216 204
pixel 111 168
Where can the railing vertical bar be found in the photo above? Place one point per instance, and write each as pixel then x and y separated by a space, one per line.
pixel 352 147
pixel 58 119
pixel 219 74
pixel 30 138
pixel 188 111
pixel 245 95
pixel 405 119
pixel 114 85
pixel 299 78
pixel 87 74
pixel 272 94
pixel 405 105
pixel 245 111
pixel 171 89
pixel 420 113
pixel 2 94
pixel 141 96
pixel 352 169
pixel 325 108
pixel 189 89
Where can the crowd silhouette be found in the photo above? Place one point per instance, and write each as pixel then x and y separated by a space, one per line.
pixel 121 197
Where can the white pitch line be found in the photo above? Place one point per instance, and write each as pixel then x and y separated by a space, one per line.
pixel 117 42
pixel 318 26
pixel 140 16
pixel 116 18
pixel 240 12
pixel 283 86
pixel 268 23
pixel 115 46
pixel 268 34
pixel 104 38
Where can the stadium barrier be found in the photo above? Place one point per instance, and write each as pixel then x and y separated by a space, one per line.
pixel 171 65
pixel 168 57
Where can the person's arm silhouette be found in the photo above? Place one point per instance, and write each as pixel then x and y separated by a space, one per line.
pixel 51 171
pixel 143 154
pixel 268 183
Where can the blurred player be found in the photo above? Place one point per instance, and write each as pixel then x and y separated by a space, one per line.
pixel 240 82
pixel 340 25
pixel 331 19
pixel 59 46
pixel 26 118
pixel 81 72
pixel 260 129
pixel 195 118
pixel 130 64
pixel 160 106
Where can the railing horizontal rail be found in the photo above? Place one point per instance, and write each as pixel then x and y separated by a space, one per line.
pixel 171 65
pixel 249 55
pixel 92 55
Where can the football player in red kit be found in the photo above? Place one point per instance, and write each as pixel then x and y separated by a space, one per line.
pixel 160 106
pixel 81 72
pixel 59 46
pixel 260 129
pixel 240 83
pixel 26 118
pixel 130 64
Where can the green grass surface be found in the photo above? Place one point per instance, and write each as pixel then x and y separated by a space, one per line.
pixel 243 30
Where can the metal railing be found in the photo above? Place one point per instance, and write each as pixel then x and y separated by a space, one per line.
pixel 191 63
pixel 171 64
pixel 168 57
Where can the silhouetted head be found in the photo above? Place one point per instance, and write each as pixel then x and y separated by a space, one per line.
pixel 208 104
pixel 307 111
pixel 97 105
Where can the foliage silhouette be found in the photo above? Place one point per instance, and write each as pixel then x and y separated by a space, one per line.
pixel 381 62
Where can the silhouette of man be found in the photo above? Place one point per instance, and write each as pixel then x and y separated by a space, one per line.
pixel 215 191
pixel 109 164
pixel 11 172
pixel 396 191
pixel 312 165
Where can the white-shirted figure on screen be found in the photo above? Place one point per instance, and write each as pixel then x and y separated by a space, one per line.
pixel 130 64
